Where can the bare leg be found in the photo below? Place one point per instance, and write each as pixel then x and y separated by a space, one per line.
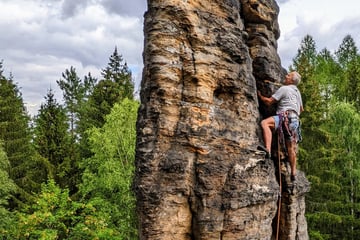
pixel 268 125
pixel 291 145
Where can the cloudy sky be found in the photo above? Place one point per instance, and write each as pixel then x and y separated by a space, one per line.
pixel 39 39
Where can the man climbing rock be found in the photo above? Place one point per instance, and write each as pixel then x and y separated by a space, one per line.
pixel 286 120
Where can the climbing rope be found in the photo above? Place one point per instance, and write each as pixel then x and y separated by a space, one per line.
pixel 283 129
pixel 280 192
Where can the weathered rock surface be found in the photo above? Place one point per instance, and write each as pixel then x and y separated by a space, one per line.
pixel 198 175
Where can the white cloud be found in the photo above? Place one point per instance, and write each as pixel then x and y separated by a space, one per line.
pixel 45 37
pixel 42 38
pixel 328 22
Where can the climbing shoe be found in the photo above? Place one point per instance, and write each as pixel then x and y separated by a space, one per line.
pixel 293 178
pixel 291 186
pixel 267 153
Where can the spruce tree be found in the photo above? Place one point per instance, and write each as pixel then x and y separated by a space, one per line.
pixel 306 63
pixel 115 86
pixel 84 122
pixel 313 159
pixel 348 86
pixel 52 140
pixel 27 170
pixel 347 51
pixel 103 98
pixel 73 94
pixel 7 189
pixel 335 199
pixel 118 72
pixel 330 150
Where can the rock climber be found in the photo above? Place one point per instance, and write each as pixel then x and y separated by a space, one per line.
pixel 286 120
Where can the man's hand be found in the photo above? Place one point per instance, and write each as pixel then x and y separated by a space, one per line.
pixel 267 100
pixel 259 94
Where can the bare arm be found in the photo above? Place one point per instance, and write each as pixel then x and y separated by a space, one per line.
pixel 267 100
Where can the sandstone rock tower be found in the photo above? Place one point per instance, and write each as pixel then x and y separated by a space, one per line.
pixel 198 174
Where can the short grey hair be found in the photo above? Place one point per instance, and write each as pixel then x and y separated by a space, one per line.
pixel 296 77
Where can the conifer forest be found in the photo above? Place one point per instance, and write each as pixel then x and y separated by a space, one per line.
pixel 67 171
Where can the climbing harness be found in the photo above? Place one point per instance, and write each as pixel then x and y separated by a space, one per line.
pixel 284 131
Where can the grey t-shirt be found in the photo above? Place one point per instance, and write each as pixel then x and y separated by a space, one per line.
pixel 288 98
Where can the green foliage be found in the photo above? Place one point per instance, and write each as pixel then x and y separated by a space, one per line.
pixel 316 235
pixel 105 95
pixel 115 86
pixel 330 152
pixel 343 124
pixel 7 188
pixel 7 185
pixel 348 81
pixel 347 51
pixel 306 63
pixel 56 216
pixel 52 140
pixel 319 220
pixel 108 174
pixel 98 118
pixel 118 72
pixel 27 169
pixel 75 94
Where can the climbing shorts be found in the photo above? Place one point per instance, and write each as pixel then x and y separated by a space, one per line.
pixel 292 132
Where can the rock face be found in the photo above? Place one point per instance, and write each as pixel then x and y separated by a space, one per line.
pixel 198 174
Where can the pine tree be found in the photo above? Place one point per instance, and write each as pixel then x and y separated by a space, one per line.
pixel 115 86
pixel 75 94
pixel 27 170
pixel 84 122
pixel 7 188
pixel 118 72
pixel 347 51
pixel 313 159
pixel 348 86
pixel 52 139
pixel 103 98
pixel 306 63
pixel 353 74
pixel 337 187
pixel 328 72
pixel 330 149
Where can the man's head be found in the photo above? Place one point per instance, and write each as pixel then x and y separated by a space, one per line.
pixel 292 78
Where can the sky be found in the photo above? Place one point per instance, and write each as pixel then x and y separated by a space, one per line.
pixel 40 39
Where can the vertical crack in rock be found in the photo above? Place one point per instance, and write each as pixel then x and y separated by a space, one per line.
pixel 197 173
